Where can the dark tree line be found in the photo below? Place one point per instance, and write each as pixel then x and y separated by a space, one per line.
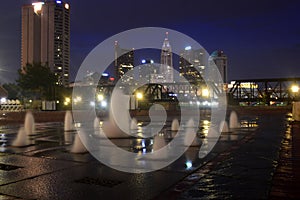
pixel 37 81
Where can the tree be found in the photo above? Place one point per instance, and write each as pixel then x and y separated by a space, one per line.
pixel 14 91
pixel 38 81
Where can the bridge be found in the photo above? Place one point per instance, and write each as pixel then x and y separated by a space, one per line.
pixel 265 91
pixel 278 91
pixel 166 91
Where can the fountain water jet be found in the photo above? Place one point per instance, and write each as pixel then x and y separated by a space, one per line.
pixel 21 139
pixel 224 127
pixel 190 123
pixel 133 124
pixel 209 142
pixel 190 134
pixel 68 125
pixel 96 123
pixel 68 137
pixel 29 124
pixel 158 143
pixel 158 147
pixel 78 146
pixel 233 120
pixel 175 125
pixel 118 124
pixel 111 130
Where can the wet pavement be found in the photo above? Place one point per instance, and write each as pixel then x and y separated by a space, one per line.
pixel 286 179
pixel 243 171
pixel 241 166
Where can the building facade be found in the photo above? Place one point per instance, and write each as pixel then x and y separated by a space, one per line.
pixel 192 64
pixel 46 37
pixel 124 60
pixel 219 58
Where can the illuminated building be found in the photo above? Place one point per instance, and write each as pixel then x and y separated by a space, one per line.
pixel 124 59
pixel 166 61
pixel 46 37
pixel 220 60
pixel 149 71
pixel 192 64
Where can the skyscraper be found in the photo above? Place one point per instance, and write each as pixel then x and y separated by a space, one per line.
pixel 149 71
pixel 46 37
pixel 192 64
pixel 166 60
pixel 124 59
pixel 220 60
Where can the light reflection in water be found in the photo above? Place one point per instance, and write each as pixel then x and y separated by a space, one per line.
pixel 141 145
pixel 3 142
pixel 77 125
pixel 205 127
pixel 188 164
pixel 249 123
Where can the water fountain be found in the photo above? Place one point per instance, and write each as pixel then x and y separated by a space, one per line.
pixel 21 139
pixel 158 144
pixel 78 146
pixel 111 130
pixel 209 142
pixel 29 124
pixel 96 123
pixel 233 120
pixel 190 123
pixel 118 123
pixel 68 125
pixel 224 127
pixel 190 135
pixel 175 125
pixel 68 136
pixel 97 128
pixel 133 124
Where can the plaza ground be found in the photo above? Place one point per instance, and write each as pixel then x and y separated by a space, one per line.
pixel 257 161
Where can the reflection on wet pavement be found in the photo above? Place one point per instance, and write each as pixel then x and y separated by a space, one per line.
pixel 240 165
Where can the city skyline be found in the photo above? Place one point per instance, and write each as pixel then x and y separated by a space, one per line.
pixel 259 38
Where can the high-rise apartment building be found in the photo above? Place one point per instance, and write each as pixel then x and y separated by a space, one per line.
pixel 192 64
pixel 219 58
pixel 46 37
pixel 150 72
pixel 123 62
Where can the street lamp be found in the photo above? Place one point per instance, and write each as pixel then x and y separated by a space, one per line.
pixel 205 92
pixel 139 96
pixel 295 88
pixel 67 101
pixel 100 97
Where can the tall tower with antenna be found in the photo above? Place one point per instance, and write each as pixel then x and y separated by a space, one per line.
pixel 166 60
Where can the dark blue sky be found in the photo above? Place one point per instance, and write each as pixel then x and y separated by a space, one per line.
pixel 261 38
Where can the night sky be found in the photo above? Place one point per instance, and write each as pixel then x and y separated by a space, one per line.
pixel 261 38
